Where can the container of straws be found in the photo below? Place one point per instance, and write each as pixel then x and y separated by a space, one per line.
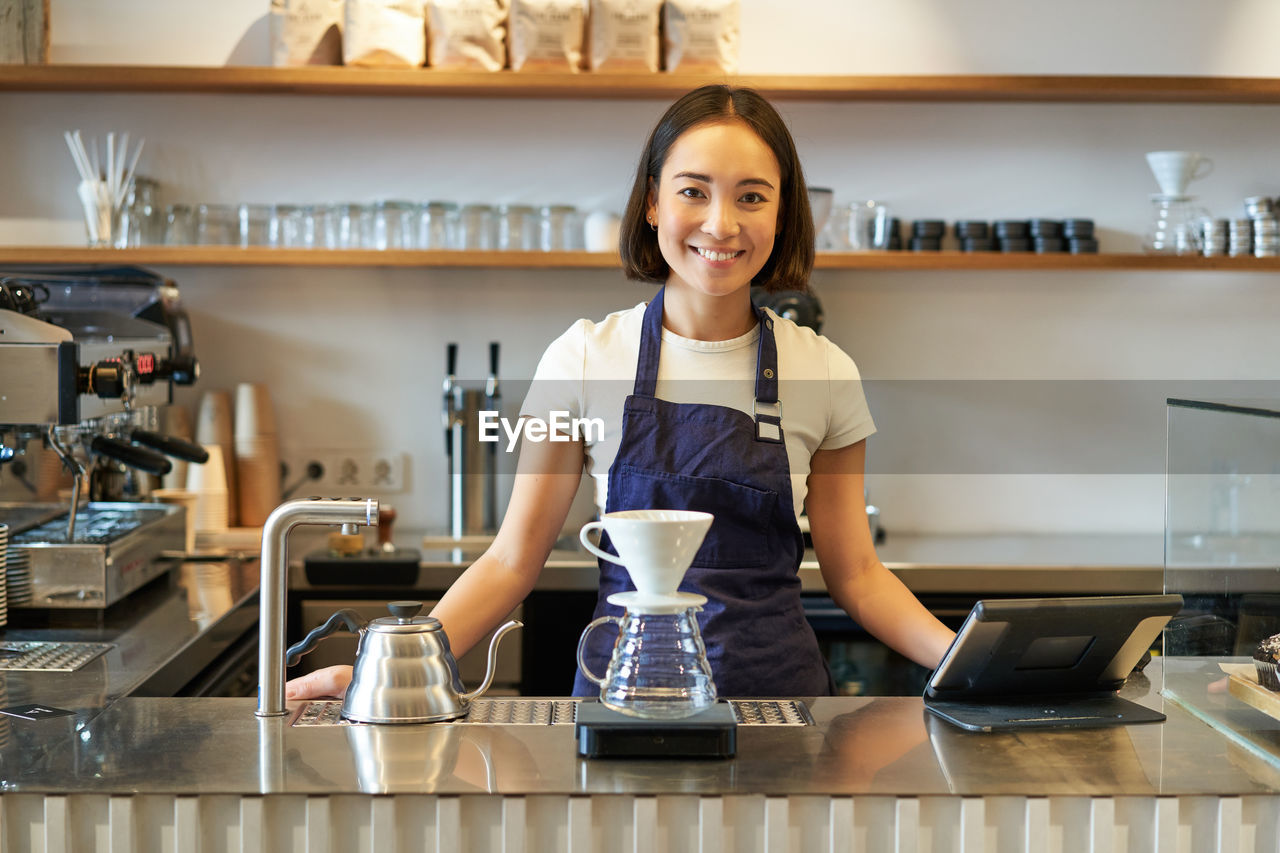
pixel 104 183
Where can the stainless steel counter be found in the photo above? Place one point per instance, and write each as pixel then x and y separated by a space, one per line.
pixel 886 746
pixel 161 637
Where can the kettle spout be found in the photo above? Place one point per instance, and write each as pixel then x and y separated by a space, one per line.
pixel 493 656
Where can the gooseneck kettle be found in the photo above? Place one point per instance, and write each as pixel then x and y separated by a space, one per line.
pixel 405 671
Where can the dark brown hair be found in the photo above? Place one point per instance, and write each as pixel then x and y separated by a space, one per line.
pixel 791 261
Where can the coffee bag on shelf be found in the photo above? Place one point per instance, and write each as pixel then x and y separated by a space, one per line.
pixel 701 35
pixel 467 34
pixel 547 35
pixel 623 35
pixel 388 33
pixel 306 32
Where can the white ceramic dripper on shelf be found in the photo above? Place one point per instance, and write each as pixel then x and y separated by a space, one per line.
pixel 1175 170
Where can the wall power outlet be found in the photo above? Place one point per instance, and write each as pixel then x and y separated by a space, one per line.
pixel 348 472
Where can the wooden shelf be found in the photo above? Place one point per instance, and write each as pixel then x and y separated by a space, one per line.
pixel 335 80
pixel 870 261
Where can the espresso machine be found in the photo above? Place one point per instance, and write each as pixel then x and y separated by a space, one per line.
pixel 87 360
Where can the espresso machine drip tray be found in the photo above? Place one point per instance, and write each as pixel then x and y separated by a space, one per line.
pixel 118 547
pixel 47 657
pixel 94 526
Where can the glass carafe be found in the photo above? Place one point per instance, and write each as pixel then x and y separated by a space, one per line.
pixel 1175 226
pixel 659 667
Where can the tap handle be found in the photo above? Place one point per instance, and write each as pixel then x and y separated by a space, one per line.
pixel 450 379
pixel 491 386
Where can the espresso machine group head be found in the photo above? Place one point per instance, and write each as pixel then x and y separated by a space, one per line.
pixel 87 359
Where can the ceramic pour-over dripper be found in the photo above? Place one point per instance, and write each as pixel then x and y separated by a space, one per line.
pixel 656 546
pixel 1175 170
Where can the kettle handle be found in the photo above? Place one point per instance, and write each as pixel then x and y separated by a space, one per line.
pixel 582 646
pixel 345 617
pixel 493 656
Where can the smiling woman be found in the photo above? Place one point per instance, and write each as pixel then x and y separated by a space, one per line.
pixel 688 392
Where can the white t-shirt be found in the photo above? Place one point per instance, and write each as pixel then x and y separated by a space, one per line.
pixel 589 371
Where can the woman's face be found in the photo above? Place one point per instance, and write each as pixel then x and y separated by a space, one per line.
pixel 716 205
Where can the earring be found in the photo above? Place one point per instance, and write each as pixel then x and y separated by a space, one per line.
pixel 653 224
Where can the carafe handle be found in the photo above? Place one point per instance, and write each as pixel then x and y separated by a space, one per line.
pixel 586 543
pixel 582 643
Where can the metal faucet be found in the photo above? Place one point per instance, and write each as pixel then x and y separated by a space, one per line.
pixel 275 564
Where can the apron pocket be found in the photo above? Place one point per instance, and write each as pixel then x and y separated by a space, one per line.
pixel 741 535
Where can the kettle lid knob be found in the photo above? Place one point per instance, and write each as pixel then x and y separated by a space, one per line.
pixel 404 611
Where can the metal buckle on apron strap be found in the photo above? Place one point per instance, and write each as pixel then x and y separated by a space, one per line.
pixel 768 424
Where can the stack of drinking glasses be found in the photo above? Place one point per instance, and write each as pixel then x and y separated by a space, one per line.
pixel 380 225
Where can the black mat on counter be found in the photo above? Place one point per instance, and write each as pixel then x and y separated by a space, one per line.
pixel 397 568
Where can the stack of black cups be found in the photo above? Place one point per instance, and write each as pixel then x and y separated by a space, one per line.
pixel 926 235
pixel 1042 236
pixel 974 236
pixel 1079 236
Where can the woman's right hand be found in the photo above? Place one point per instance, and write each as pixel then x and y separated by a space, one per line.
pixel 330 682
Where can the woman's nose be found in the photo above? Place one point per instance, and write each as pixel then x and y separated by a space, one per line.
pixel 721 220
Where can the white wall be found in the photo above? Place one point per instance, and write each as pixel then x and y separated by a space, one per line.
pixel 355 357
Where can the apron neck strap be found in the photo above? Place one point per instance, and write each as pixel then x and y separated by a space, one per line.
pixel 768 409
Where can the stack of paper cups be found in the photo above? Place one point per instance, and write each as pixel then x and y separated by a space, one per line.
pixel 213 429
pixel 209 483
pixel 257 454
pixel 187 500
pixel 177 423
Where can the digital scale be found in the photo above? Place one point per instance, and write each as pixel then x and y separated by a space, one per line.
pixel 601 732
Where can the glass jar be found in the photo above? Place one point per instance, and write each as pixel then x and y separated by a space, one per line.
pixel 297 226
pixel 258 226
pixel 476 228
pixel 1175 226
pixel 438 225
pixel 180 225
pixel 517 228
pixel 352 226
pixel 217 225
pixel 560 228
pixel 141 219
pixel 394 225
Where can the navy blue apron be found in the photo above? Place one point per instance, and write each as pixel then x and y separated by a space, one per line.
pixel 719 460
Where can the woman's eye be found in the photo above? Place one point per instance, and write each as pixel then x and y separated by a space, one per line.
pixel 691 192
pixel 754 198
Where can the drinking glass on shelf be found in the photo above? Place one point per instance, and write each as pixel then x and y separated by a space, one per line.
pixel 438 225
pixel 393 225
pixel 353 226
pixel 180 225
pixel 868 226
pixel 297 226
pixel 142 221
pixel 476 229
pixel 258 226
pixel 325 226
pixel 560 228
pixel 217 225
pixel 517 228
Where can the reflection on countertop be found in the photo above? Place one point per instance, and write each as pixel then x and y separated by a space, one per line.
pixel 883 746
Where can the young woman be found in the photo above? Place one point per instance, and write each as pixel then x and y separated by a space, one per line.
pixel 711 404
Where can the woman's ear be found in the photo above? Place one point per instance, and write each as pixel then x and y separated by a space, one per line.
pixel 651 203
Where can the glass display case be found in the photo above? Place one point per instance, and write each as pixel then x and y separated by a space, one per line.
pixel 1222 554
